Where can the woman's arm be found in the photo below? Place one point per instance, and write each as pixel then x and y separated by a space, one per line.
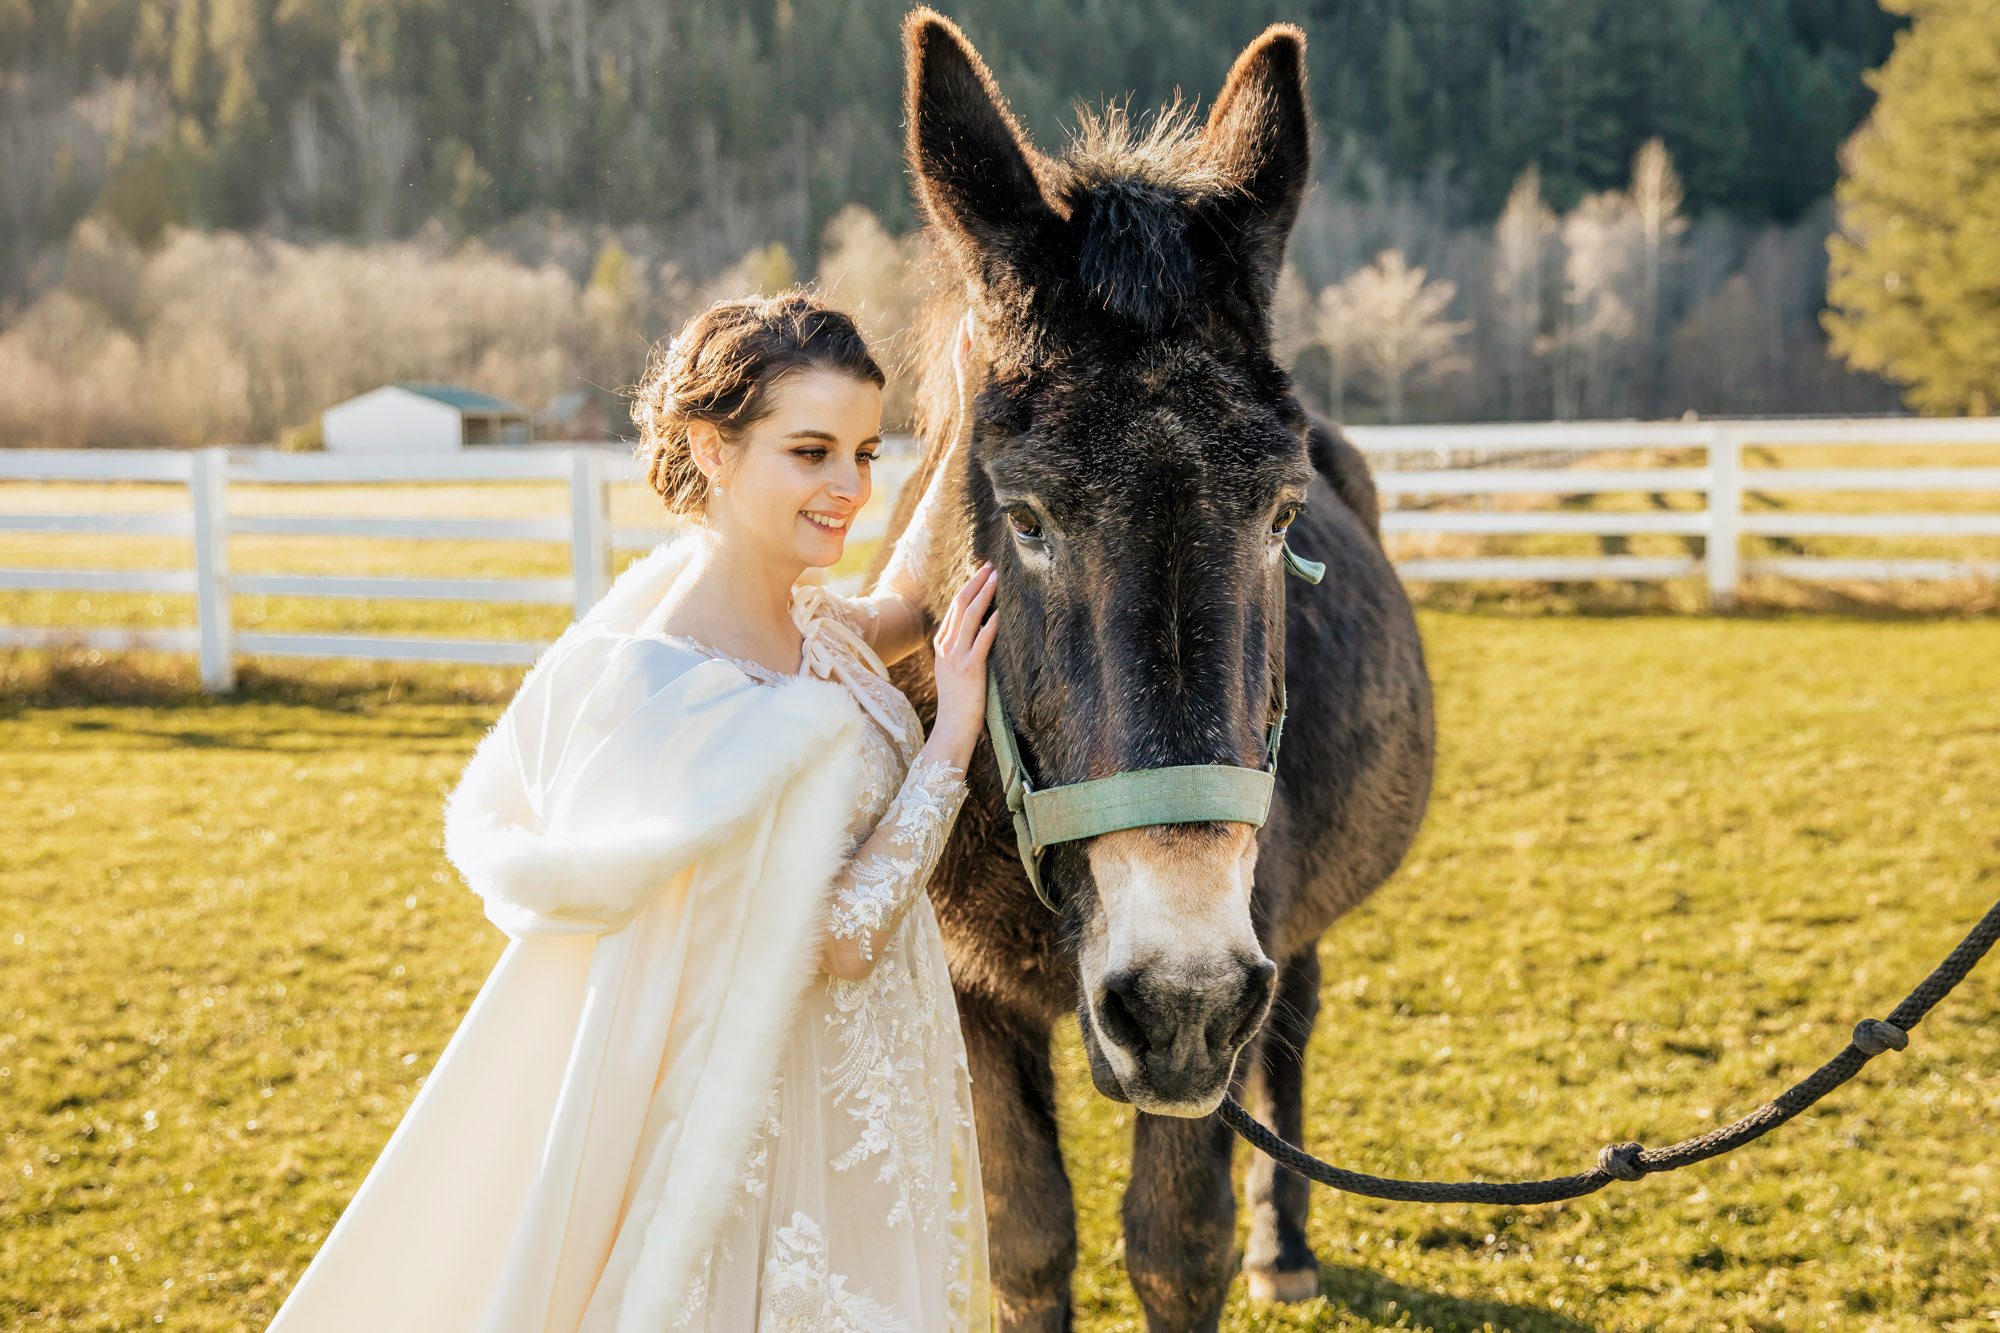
pixel 895 612
pixel 887 872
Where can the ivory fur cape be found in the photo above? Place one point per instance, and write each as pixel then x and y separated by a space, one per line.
pixel 657 838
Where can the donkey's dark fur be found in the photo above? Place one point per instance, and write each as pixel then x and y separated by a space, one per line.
pixel 1132 413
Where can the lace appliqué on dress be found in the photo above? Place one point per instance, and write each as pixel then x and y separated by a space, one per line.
pixel 880 1080
pixel 752 1182
pixel 752 1179
pixel 803 1295
pixel 887 1023
pixel 757 671
pixel 882 882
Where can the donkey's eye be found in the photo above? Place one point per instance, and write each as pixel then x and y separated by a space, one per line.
pixel 1285 517
pixel 1024 524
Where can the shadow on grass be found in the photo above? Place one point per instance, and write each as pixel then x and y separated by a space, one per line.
pixel 1373 1296
pixel 1757 599
pixel 75 676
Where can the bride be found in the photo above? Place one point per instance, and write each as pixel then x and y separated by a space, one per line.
pixel 715 1081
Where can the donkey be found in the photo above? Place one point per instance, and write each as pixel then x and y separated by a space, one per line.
pixel 1134 465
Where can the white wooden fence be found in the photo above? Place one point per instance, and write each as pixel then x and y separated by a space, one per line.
pixel 208 523
pixel 1447 464
pixel 1723 479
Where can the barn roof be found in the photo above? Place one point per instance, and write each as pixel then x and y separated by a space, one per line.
pixel 465 400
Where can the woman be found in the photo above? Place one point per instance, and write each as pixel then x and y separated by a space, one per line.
pixel 716 1081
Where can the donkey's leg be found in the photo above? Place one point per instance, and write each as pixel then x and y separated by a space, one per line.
pixel 1180 1221
pixel 1030 1216
pixel 1278 1266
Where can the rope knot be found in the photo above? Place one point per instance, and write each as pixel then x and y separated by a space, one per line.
pixel 1872 1036
pixel 1620 1161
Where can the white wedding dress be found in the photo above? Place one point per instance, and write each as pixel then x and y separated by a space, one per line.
pixel 659 1113
pixel 859 1209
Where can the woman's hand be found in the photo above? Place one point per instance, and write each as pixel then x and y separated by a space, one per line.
pixel 959 658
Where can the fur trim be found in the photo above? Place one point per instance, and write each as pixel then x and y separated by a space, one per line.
pixel 788 918
pixel 605 874
pixel 637 590
pixel 599 877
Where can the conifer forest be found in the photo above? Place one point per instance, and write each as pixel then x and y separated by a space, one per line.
pixel 221 216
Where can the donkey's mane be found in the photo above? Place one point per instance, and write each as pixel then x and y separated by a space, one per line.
pixel 1132 176
pixel 1163 149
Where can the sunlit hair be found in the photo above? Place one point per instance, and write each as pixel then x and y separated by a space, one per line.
pixel 721 368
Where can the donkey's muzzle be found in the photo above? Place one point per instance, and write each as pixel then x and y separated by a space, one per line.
pixel 1171 1041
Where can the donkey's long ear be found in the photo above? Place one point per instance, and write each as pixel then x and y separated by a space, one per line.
pixel 1260 135
pixel 975 173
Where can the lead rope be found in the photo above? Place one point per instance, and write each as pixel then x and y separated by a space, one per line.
pixel 1632 1161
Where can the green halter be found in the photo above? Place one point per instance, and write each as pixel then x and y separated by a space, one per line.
pixel 1181 794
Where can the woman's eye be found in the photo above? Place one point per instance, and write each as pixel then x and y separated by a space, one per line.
pixel 866 458
pixel 812 454
pixel 1284 519
pixel 1024 525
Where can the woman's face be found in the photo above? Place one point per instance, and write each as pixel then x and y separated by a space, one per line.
pixel 796 480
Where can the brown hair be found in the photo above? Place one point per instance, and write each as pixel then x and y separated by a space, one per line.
pixel 721 368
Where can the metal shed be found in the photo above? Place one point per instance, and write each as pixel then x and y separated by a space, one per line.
pixel 424 417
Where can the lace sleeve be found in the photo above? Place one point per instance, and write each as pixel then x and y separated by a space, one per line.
pixel 888 871
pixel 860 614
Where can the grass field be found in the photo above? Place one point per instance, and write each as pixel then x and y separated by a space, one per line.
pixel 1669 862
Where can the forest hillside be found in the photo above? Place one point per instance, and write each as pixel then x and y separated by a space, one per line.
pixel 619 160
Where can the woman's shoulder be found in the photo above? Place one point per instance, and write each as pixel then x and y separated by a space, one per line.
pixel 594 650
pixel 603 675
pixel 813 600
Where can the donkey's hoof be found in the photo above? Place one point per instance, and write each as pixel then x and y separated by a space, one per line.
pixel 1286 1285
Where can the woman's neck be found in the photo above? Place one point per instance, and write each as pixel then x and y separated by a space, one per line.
pixel 738 599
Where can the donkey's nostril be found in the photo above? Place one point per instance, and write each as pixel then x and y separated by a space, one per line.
pixel 1115 1017
pixel 1251 1002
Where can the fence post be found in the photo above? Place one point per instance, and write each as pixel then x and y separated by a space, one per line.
pixel 590 528
pixel 208 487
pixel 1725 514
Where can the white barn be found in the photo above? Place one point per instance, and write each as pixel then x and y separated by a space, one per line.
pixel 422 417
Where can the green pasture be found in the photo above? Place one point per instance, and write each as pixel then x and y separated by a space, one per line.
pixel 1670 860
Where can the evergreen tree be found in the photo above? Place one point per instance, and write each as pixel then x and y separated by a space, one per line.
pixel 1914 280
pixel 736 123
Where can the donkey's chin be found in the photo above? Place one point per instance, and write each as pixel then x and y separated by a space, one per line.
pixel 1122 1080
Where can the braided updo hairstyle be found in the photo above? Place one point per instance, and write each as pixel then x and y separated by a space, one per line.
pixel 722 367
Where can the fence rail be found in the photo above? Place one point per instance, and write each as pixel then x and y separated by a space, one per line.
pixel 1422 464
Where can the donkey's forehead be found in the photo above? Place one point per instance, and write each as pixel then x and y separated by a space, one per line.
pixel 1156 403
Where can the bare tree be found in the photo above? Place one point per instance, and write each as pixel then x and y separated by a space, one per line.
pixel 876 278
pixel 1392 318
pixel 1338 332
pixel 1601 236
pixel 383 125
pixel 234 338
pixel 1656 198
pixel 1520 248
